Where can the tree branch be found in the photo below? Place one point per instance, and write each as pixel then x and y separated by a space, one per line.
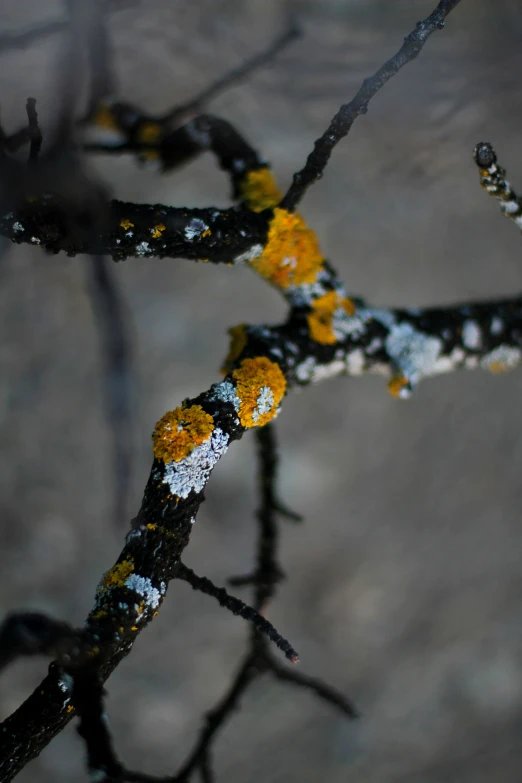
pixel 348 113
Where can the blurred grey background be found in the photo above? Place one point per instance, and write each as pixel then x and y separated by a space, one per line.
pixel 405 583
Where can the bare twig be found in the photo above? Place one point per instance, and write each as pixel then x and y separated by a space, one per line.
pixel 118 374
pixel 348 113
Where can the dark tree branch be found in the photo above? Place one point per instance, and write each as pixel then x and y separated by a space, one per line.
pixel 238 607
pixel 118 376
pixel 326 334
pixel 34 131
pixel 348 113
pixel 232 77
pixel 316 686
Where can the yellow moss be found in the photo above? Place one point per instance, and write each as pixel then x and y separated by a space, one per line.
pixel 251 377
pixel 206 233
pixel 397 384
pixel 149 133
pixel 259 190
pixel 178 432
pixel 320 320
pixel 158 230
pixel 126 224
pixel 238 335
pixel 118 574
pixel 291 255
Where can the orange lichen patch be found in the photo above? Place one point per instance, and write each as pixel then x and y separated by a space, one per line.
pixel 158 230
pixel 498 367
pixel 151 526
pixel 126 224
pixel 104 118
pixel 206 233
pixel 238 335
pixel 397 384
pixel 259 190
pixel 69 708
pixel 291 255
pixel 134 628
pixel 253 377
pixel 118 574
pixel 320 320
pixel 149 133
pixel 178 432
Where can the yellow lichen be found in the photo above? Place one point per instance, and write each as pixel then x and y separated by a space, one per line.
pixel 238 335
pixel 126 224
pixel 134 628
pixel 252 377
pixel 158 230
pixel 118 574
pixel 259 190
pixel 149 133
pixel 499 367
pixel 178 432
pixel 291 255
pixel 397 384
pixel 99 615
pixel 104 118
pixel 320 320
pixel 206 233
pixel 69 708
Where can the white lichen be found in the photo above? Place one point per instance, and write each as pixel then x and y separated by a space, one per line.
pixel 497 325
pixel 355 362
pixel 249 255
pixel 264 403
pixel 471 335
pixel 192 472
pixel 144 587
pixel 505 357
pixel 413 353
pixel 225 392
pixel 142 249
pixel 195 228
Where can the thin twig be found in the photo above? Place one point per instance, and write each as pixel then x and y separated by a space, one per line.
pixel 317 686
pixel 116 350
pixel 235 75
pixel 348 113
pixel 35 133
pixel 237 607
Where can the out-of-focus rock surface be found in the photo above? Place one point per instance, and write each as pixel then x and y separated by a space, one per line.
pixel 405 584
